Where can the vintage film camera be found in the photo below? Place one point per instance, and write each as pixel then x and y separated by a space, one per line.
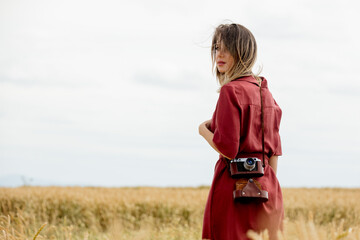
pixel 246 167
pixel 248 189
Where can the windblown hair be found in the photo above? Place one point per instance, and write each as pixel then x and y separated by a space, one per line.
pixel 241 44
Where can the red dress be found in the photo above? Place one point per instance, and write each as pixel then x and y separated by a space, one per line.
pixel 236 124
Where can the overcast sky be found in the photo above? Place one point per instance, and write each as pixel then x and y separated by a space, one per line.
pixel 111 93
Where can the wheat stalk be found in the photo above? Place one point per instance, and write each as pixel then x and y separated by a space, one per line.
pixel 38 232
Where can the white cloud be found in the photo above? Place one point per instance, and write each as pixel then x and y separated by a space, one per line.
pixel 90 87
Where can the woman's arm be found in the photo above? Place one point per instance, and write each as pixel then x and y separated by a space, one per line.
pixel 273 161
pixel 208 135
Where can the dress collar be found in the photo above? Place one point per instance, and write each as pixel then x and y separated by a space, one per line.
pixel 251 79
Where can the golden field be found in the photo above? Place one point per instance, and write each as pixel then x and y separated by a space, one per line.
pixel 161 213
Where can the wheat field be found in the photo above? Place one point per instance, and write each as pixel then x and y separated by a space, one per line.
pixel 146 213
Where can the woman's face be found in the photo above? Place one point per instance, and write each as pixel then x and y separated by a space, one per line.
pixel 224 60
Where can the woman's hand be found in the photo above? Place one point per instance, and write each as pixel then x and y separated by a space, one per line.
pixel 204 130
pixel 204 127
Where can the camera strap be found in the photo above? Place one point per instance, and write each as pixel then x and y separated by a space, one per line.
pixel 248 189
pixel 262 126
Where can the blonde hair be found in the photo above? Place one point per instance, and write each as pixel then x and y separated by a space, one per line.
pixel 241 44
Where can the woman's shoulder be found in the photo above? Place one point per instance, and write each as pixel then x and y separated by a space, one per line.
pixel 241 85
pixel 246 81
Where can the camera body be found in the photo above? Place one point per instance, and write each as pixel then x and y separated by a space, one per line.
pixel 246 167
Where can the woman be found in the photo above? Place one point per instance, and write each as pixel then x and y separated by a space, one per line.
pixel 235 131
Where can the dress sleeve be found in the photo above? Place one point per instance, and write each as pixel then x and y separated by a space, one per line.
pixel 227 132
pixel 278 150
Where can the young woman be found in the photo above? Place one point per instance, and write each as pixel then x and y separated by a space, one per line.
pixel 235 131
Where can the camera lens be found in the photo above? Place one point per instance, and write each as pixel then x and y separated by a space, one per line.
pixel 250 161
pixel 249 164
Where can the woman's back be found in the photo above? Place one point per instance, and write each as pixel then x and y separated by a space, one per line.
pixel 241 133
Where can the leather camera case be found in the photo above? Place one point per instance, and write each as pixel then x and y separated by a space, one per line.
pixel 251 192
